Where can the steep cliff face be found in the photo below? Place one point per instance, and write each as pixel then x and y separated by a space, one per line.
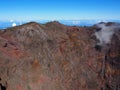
pixel 53 56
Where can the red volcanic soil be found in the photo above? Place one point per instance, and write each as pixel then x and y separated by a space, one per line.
pixel 53 56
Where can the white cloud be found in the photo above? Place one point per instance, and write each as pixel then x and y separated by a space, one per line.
pixel 106 33
pixel 76 22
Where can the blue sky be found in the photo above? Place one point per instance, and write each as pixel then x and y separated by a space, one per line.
pixel 59 9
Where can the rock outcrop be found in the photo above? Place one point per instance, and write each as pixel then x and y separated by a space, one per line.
pixel 53 56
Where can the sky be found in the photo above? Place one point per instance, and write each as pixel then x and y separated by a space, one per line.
pixel 59 9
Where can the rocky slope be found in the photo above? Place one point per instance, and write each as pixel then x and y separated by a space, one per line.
pixel 53 56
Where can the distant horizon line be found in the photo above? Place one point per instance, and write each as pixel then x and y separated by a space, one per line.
pixel 13 20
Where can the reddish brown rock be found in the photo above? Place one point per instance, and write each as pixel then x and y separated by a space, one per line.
pixel 57 57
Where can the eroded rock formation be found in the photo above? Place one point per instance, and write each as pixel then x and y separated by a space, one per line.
pixel 53 56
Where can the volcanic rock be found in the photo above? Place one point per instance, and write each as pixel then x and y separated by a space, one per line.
pixel 53 56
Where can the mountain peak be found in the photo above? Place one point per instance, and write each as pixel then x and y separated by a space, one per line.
pixel 33 56
pixel 56 23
